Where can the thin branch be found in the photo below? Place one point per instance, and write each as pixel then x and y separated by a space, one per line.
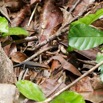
pixel 32 14
pixel 74 82
pixel 27 39
pixel 87 62
pixel 34 55
pixel 73 7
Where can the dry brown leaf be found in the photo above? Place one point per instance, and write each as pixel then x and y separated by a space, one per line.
pixel 13 49
pixel 95 97
pixel 51 18
pixel 90 54
pixel 66 65
pixel 18 57
pixel 55 65
pixel 96 82
pixel 82 6
pixel 49 86
pixel 83 85
pixel 98 24
pixel 21 16
pixel 90 88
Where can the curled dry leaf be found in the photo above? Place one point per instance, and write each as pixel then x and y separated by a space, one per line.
pixel 18 57
pixel 51 18
pixel 66 65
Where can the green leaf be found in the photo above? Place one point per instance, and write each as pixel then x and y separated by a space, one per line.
pixel 89 18
pixel 30 90
pixel 83 37
pixel 70 49
pixel 68 97
pixel 99 58
pixel 16 31
pixel 3 25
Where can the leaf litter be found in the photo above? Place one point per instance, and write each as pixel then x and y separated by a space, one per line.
pixel 52 69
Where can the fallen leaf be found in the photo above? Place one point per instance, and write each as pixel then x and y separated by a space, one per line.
pixel 18 57
pixel 13 49
pixel 51 18
pixel 21 15
pixel 90 88
pixel 84 85
pixel 82 6
pixel 49 86
pixel 95 97
pixel 66 65
pixel 96 82
pixel 55 65
pixel 90 54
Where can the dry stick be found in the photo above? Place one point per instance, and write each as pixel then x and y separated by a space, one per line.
pixel 74 6
pixel 74 82
pixel 87 62
pixel 34 55
pixel 27 39
pixel 32 14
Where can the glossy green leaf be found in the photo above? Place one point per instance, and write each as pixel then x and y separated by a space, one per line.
pixel 16 31
pixel 99 58
pixel 30 90
pixel 3 25
pixel 83 37
pixel 89 18
pixel 68 97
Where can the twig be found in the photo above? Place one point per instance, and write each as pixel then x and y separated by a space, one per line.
pixel 27 39
pixel 32 14
pixel 74 82
pixel 34 55
pixel 73 7
pixel 88 62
